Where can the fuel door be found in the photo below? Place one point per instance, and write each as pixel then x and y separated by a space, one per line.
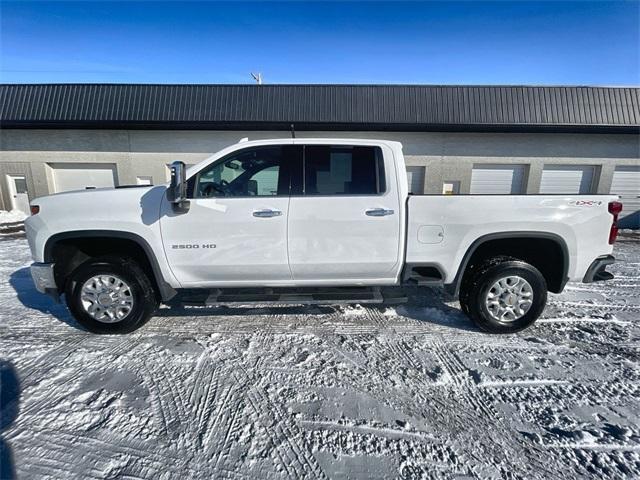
pixel 430 234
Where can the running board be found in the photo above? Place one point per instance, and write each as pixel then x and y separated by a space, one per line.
pixel 280 296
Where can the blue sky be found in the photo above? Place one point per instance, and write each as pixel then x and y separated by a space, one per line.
pixel 577 43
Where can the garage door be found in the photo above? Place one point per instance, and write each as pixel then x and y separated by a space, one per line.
pixel 78 176
pixel 626 183
pixel 567 179
pixel 415 179
pixel 498 179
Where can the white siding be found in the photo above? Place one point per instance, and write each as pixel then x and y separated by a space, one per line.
pixel 498 179
pixel 415 179
pixel 567 179
pixel 626 183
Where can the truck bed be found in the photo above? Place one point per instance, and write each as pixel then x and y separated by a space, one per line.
pixel 443 228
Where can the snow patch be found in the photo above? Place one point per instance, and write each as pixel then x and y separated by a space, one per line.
pixel 12 216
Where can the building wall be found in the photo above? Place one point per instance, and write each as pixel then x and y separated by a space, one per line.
pixel 445 156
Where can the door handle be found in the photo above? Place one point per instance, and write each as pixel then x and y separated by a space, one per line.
pixel 378 212
pixel 266 213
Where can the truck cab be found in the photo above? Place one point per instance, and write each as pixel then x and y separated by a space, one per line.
pixel 295 214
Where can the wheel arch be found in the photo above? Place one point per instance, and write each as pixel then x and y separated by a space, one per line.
pixel 165 291
pixel 555 280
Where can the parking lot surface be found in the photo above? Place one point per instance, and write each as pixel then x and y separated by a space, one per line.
pixel 412 391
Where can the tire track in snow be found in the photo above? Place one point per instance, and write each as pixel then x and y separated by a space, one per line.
pixel 166 418
pixel 50 358
pixel 501 439
pixel 626 307
pixel 230 427
pixel 71 451
pixel 166 387
pixel 205 389
pixel 461 377
pixel 222 418
pixel 296 459
pixel 56 390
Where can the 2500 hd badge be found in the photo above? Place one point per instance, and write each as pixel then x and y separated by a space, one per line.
pixel 192 246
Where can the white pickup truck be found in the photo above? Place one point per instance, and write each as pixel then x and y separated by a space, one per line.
pixel 311 221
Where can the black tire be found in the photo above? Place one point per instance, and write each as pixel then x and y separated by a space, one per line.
pixel 479 281
pixel 145 300
pixel 463 305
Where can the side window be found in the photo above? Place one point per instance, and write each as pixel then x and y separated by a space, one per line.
pixel 251 172
pixel 343 170
pixel 265 182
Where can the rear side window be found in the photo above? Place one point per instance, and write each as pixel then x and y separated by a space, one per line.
pixel 343 170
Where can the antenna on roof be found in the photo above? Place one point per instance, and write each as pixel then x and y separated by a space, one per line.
pixel 293 131
pixel 257 77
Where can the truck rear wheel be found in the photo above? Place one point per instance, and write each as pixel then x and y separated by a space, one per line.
pixel 110 295
pixel 504 295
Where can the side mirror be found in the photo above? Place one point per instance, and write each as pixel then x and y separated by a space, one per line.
pixel 177 191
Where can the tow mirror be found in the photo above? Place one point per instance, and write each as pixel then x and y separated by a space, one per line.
pixel 177 191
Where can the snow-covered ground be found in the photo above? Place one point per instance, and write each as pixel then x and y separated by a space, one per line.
pixel 12 216
pixel 367 392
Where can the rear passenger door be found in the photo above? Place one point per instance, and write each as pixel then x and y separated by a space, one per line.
pixel 344 216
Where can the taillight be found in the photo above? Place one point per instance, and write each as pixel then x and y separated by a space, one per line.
pixel 614 209
pixel 35 209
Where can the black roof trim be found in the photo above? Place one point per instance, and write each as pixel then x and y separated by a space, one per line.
pixel 336 127
pixel 321 107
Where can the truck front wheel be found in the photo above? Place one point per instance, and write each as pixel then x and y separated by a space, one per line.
pixel 504 295
pixel 110 295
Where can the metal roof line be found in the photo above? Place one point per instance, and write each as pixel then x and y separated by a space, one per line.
pixel 186 106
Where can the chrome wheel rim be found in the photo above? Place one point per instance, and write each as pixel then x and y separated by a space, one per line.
pixel 509 299
pixel 106 298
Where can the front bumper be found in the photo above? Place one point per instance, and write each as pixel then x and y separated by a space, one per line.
pixel 44 279
pixel 597 270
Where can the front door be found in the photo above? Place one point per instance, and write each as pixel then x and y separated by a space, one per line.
pixel 18 193
pixel 344 224
pixel 235 231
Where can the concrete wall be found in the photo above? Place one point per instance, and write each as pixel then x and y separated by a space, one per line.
pixel 445 156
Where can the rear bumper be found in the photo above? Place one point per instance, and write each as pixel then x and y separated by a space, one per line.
pixel 597 270
pixel 44 280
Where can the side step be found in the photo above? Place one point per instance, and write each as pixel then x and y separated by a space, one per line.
pixel 281 296
pixel 422 275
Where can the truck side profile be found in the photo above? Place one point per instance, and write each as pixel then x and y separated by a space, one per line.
pixel 311 221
